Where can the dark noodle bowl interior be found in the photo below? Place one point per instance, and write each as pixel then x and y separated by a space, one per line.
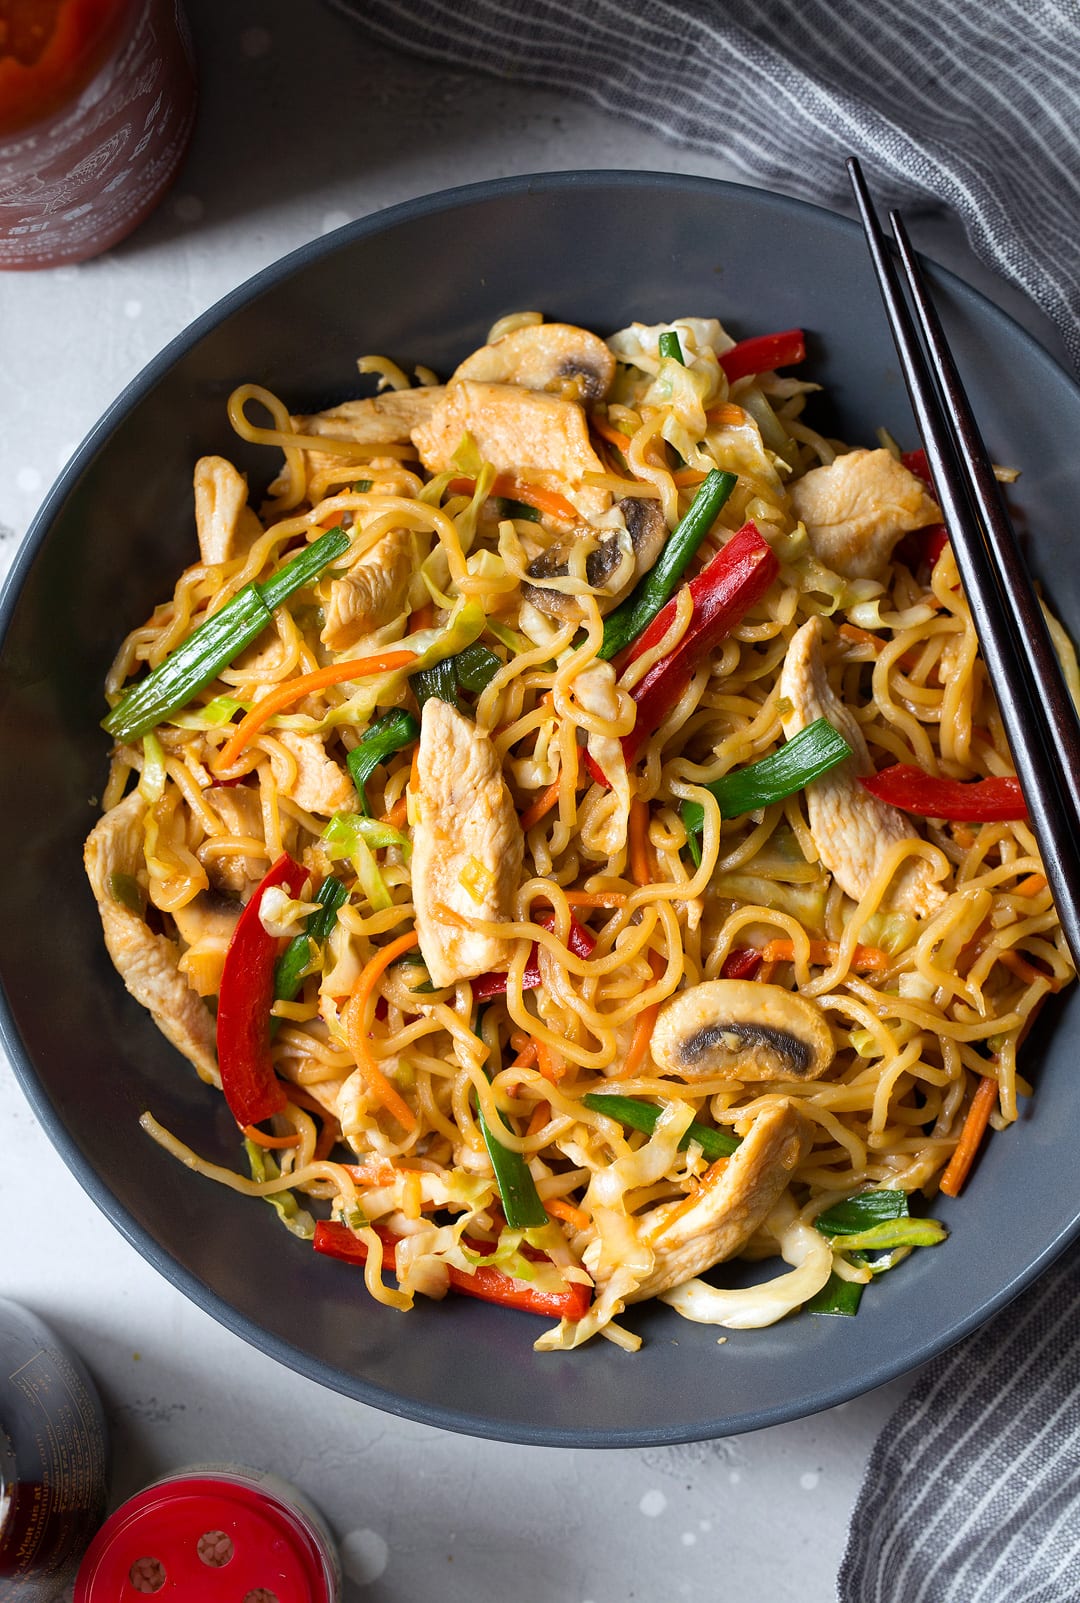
pixel 423 282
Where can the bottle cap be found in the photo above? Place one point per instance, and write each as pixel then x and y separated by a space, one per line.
pixel 208 1539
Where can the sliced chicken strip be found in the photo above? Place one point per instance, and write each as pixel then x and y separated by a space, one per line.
pixel 733 1200
pixel 373 592
pixel 558 357
pixel 467 846
pixel 858 507
pixel 321 785
pixel 852 830
pixel 147 963
pixel 517 431
pixel 225 523
pixel 386 419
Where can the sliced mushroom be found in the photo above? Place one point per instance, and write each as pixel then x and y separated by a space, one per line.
pixel 558 357
pixel 742 1030
pixel 206 925
pixel 647 530
pixel 733 1200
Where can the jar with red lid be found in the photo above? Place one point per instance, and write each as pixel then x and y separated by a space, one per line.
pixel 97 104
pixel 216 1533
pixel 53 1452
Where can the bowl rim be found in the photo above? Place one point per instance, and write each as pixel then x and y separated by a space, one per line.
pixel 829 1393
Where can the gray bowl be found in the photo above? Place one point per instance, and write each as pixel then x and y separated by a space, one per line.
pixel 423 282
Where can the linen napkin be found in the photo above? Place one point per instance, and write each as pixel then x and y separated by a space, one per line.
pixel 974 104
pixel 973 1489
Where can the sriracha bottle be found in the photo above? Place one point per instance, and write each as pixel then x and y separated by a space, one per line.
pixel 53 1451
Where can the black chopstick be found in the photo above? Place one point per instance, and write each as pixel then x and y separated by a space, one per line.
pixel 1036 708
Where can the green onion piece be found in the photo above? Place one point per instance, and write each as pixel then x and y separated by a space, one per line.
pixel 893 1233
pixel 856 1214
pixel 362 485
pixel 836 1297
pixel 216 642
pixel 297 1220
pixel 803 758
pixel 668 345
pixel 439 680
pixel 645 1116
pixel 692 842
pixel 292 965
pixel 125 889
pixel 517 1188
pixel 517 509
pixel 476 667
pixel 658 585
pixel 391 733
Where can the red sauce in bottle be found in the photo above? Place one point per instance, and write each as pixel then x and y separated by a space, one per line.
pixel 97 104
pixel 53 1451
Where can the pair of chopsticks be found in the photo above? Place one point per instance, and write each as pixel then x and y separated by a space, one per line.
pixel 1036 708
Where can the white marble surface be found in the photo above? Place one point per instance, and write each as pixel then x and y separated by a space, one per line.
pixel 305 125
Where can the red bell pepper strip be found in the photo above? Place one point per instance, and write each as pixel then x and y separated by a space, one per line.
pixel 968 801
pixel 251 1088
pixel 763 353
pixel 930 542
pixel 741 964
pixel 722 593
pixel 581 942
pixel 486 1283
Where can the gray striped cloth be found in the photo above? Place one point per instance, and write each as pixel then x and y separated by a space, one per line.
pixel 972 104
pixel 972 1493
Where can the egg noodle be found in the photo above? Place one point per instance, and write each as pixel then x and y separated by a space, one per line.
pixel 534 916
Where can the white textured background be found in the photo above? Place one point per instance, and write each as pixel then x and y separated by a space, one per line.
pixel 304 126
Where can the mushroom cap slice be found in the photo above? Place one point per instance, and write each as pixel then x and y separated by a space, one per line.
pixel 648 534
pixel 559 357
pixel 742 1030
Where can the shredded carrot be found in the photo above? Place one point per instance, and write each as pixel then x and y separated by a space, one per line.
pixel 766 972
pixel 558 1209
pixel 327 1139
pixel 595 898
pixel 963 835
pixel 253 1133
pixel 1030 886
pixel 526 1056
pixel 870 959
pixel 861 637
pixel 550 1064
pixel 540 807
pixel 713 1175
pixel 541 1115
pixel 726 415
pixel 376 1080
pixel 978 1117
pixel 1028 972
pixel 533 495
pixel 398 815
pixel 687 478
pixel 607 431
pixel 638 842
pixel 422 618
pixel 414 770
pixel 373 1171
pixel 294 690
pixel 305 1100
pixel 643 1029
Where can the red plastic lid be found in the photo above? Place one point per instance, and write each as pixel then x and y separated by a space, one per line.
pixel 207 1540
